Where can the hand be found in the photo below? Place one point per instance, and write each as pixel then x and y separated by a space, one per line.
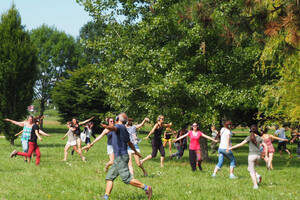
pixel 170 124
pixel 286 140
pixel 147 119
pixel 103 125
pixel 174 140
pixel 146 138
pixel 228 149
pixel 40 139
pixel 7 120
pixel 63 138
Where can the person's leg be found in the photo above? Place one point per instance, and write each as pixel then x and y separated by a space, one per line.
pixel 251 169
pixel 220 162
pixel 79 152
pixel 279 148
pixel 165 142
pixel 109 187
pixel 163 154
pixel 177 147
pixel 231 157
pixel 130 164
pixel 66 151
pixel 153 154
pixel 192 158
pixel 138 162
pixel 110 162
pixel 25 147
pixel 38 154
pixel 170 147
pixel 199 159
pixel 270 162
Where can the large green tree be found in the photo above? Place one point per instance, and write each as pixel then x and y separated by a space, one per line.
pixel 57 53
pixel 18 71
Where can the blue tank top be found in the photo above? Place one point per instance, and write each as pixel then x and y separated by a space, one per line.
pixel 26 133
pixel 109 138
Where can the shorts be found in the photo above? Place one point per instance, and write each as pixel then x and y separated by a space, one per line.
pixel 130 151
pixel 120 168
pixel 167 140
pixel 252 159
pixel 72 143
pixel 281 146
pixel 24 145
pixel 110 149
pixel 88 140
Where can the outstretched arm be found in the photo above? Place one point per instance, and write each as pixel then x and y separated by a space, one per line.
pixel 143 123
pixel 111 128
pixel 15 122
pixel 104 132
pixel 65 136
pixel 167 125
pixel 38 135
pixel 277 138
pixel 86 121
pixel 19 133
pixel 152 131
pixel 43 133
pixel 181 137
pixel 237 145
pixel 210 138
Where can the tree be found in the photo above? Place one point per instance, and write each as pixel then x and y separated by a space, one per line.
pixel 57 53
pixel 18 71
pixel 74 96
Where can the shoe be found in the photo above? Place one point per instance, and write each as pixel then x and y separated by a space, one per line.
pixel 213 175
pixel 258 179
pixel 149 192
pixel 255 187
pixel 200 167
pixel 105 197
pixel 13 154
pixel 232 176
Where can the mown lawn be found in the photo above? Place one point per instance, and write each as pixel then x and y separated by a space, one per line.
pixel 55 179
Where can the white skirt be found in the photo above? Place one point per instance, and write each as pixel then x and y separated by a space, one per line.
pixel 72 143
pixel 110 149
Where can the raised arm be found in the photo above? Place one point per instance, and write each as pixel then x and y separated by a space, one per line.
pixel 152 131
pixel 43 133
pixel 277 138
pixel 104 132
pixel 19 133
pixel 209 138
pixel 65 136
pixel 237 145
pixel 111 128
pixel 86 121
pixel 167 125
pixel 143 123
pixel 181 137
pixel 15 122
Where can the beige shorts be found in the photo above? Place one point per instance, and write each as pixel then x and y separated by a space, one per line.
pixel 252 160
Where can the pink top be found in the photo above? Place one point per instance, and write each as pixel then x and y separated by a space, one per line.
pixel 194 144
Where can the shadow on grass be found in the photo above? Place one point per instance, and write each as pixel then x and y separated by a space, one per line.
pixel 56 130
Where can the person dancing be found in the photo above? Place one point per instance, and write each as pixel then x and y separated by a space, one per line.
pixel 181 144
pixel 167 139
pixel 156 141
pixel 132 130
pixel 33 146
pixel 195 150
pixel 254 141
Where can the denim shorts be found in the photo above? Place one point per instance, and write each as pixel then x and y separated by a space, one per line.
pixel 24 145
pixel 130 151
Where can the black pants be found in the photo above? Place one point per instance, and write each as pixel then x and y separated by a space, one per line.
pixel 194 159
pixel 157 145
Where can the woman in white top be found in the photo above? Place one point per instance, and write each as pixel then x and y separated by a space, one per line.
pixel 225 143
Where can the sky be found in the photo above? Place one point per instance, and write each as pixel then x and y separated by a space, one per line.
pixel 65 15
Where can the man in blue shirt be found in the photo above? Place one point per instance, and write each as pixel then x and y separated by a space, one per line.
pixel 120 143
pixel 280 132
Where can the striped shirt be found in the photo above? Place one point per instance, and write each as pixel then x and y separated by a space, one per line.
pixel 26 133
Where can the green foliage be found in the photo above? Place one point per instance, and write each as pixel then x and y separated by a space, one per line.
pixel 57 53
pixel 18 71
pixel 74 96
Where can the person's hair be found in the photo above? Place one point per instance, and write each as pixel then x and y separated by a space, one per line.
pixel 159 117
pixel 264 130
pixel 108 119
pixel 286 124
pixel 130 119
pixel 75 120
pixel 36 119
pixel 253 131
pixel 122 118
pixel 227 123
pixel 30 116
pixel 197 126
pixel 276 126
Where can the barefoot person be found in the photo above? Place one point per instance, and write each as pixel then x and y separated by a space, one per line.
pixel 225 143
pixel 110 150
pixel 120 142
pixel 35 134
pixel 268 138
pixel 254 141
pixel 156 141
pixel 280 132
pixel 71 142
pixel 132 130
pixel 195 152
pixel 27 126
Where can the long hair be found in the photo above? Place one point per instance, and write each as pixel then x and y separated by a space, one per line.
pixel 227 123
pixel 253 131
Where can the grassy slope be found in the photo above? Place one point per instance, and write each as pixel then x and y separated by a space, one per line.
pixel 55 179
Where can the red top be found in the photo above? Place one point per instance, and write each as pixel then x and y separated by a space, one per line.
pixel 194 144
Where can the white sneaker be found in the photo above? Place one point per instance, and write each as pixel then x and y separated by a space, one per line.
pixel 258 178
pixel 213 175
pixel 232 176
pixel 255 187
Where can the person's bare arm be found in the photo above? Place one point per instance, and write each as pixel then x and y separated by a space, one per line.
pixel 277 138
pixel 181 137
pixel 111 128
pixel 65 136
pixel 86 121
pixel 104 132
pixel 152 131
pixel 237 145
pixel 19 133
pixel 143 123
pixel 167 125
pixel 43 133
pixel 15 122
pixel 133 149
pixel 209 138
pixel 38 135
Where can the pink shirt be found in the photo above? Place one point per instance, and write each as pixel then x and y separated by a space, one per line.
pixel 194 143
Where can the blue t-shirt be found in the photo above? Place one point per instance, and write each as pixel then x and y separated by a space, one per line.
pixel 109 138
pixel 280 133
pixel 120 138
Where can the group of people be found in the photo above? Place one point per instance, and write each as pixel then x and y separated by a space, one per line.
pixel 123 146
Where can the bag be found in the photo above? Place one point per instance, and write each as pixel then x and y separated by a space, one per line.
pixel 83 136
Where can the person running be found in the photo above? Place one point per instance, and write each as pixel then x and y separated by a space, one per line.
pixel 27 126
pixel 195 150
pixel 296 138
pixel 167 139
pixel 71 142
pixel 88 131
pixel 254 141
pixel 214 134
pixel 132 130
pixel 280 132
pixel 225 143
pixel 75 127
pixel 181 144
pixel 35 134
pixel 110 151
pixel 120 142
pixel 156 141
pixel 268 138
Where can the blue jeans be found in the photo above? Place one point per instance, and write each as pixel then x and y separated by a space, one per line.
pixel 229 155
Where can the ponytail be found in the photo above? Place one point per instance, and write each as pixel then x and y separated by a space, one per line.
pixel 253 131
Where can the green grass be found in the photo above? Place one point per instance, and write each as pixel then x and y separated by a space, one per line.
pixel 55 179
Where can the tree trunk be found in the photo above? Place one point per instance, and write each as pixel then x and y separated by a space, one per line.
pixel 42 110
pixel 204 149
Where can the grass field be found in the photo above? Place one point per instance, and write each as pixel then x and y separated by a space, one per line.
pixel 55 179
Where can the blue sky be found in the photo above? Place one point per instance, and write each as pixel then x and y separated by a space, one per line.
pixel 65 15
